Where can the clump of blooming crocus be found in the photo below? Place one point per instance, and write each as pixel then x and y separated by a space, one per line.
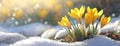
pixel 79 30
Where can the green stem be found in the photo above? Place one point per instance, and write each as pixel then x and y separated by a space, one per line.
pixel 76 28
pixel 89 29
pixel 93 30
pixel 97 25
pixel 69 32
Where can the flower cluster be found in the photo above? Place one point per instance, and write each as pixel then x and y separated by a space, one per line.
pixel 81 30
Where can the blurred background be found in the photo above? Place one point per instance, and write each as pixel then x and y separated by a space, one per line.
pixel 20 12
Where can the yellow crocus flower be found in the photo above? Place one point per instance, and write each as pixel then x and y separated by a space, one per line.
pixel 82 10
pixel 74 13
pixel 96 14
pixel 92 15
pixel 18 13
pixel 6 11
pixel 43 13
pixel 104 20
pixel 77 14
pixel 69 3
pixel 65 22
pixel 57 7
pixel 87 19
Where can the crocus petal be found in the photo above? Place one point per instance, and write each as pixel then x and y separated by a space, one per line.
pixel 95 10
pixel 100 12
pixel 104 20
pixel 64 22
pixel 109 18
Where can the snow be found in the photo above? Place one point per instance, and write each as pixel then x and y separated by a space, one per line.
pixel 101 41
pixel 62 33
pixel 115 19
pixel 3 44
pixel 33 29
pixel 10 37
pixel 50 33
pixel 3 29
pixel 96 41
pixel 113 26
pixel 37 41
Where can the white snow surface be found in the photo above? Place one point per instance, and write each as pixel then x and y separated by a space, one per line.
pixel 101 41
pixel 10 37
pixel 50 33
pixel 33 29
pixel 96 41
pixel 62 33
pixel 37 41
pixel 4 44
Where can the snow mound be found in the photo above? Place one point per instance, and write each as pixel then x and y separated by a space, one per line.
pixel 62 33
pixel 112 26
pixel 3 29
pixel 115 19
pixel 96 41
pixel 33 29
pixel 50 33
pixel 3 44
pixel 101 41
pixel 10 37
pixel 37 41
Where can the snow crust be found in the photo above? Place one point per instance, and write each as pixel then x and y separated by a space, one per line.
pixel 10 37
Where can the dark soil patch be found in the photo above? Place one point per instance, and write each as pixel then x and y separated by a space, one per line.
pixel 112 35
